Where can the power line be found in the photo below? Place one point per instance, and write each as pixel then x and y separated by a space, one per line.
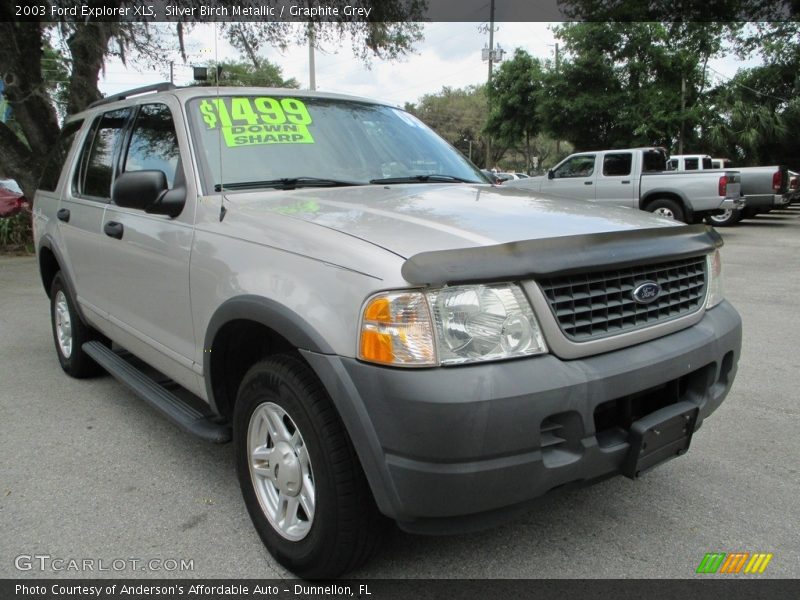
pixel 747 87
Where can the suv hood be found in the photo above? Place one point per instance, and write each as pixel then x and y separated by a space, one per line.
pixel 412 218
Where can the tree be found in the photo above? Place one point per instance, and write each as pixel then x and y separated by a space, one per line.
pixel 514 95
pixel 581 100
pixel 755 115
pixel 242 74
pixel 458 115
pixel 625 84
pixel 86 46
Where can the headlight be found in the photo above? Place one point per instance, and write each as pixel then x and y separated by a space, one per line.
pixel 716 291
pixel 451 325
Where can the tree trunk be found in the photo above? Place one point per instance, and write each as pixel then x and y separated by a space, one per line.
pixel 26 147
pixel 34 115
pixel 527 152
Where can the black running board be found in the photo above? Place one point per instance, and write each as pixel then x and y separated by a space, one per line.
pixel 176 410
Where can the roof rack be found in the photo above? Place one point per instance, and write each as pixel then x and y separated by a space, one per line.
pixel 156 87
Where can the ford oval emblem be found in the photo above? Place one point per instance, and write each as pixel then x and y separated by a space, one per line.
pixel 646 292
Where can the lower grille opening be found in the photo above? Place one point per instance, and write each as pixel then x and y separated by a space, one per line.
pixel 560 439
pixel 613 419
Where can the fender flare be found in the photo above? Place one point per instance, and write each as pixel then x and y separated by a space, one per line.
pixel 47 242
pixel 282 320
pixel 664 193
pixel 669 194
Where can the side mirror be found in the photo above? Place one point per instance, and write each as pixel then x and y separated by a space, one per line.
pixel 550 174
pixel 148 191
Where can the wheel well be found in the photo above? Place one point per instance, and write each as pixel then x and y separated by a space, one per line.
pixel 665 196
pixel 48 267
pixel 237 346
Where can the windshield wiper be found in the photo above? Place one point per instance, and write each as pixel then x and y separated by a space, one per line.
pixel 423 179
pixel 285 183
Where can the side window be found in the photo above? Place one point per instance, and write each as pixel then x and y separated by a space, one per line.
pixel 672 165
pixel 96 169
pixel 577 166
pixel 617 165
pixel 58 156
pixel 691 164
pixel 707 163
pixel 154 145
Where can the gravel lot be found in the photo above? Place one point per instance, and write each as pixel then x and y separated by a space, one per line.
pixel 89 471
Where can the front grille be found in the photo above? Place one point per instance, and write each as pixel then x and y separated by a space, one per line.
pixel 596 305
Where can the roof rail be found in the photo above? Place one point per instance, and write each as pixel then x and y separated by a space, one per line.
pixel 156 87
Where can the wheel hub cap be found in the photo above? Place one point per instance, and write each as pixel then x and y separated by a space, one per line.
pixel 286 469
pixel 280 469
pixel 63 322
pixel 664 212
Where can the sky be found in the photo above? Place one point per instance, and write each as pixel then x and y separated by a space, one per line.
pixel 449 55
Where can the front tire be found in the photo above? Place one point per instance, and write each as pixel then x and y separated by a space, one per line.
pixel 665 207
pixel 300 477
pixel 70 333
pixel 726 219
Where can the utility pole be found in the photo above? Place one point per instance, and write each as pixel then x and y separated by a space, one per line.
pixel 312 78
pixel 683 109
pixel 558 142
pixel 489 81
pixel 172 72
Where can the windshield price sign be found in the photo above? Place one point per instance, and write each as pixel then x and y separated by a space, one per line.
pixel 256 121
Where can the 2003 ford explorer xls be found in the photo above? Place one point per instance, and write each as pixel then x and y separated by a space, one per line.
pixel 380 331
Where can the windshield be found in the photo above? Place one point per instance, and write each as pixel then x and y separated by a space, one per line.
pixel 258 141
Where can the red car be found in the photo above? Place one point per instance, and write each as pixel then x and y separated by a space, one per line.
pixel 12 200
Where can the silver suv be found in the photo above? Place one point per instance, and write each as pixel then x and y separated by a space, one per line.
pixel 379 330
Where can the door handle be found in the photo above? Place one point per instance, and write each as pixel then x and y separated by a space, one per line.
pixel 113 229
pixel 63 215
pixel 587 183
pixel 626 181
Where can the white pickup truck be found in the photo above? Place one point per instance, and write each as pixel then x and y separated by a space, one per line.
pixel 637 178
pixel 763 188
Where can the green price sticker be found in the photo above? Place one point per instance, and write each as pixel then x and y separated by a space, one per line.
pixel 256 121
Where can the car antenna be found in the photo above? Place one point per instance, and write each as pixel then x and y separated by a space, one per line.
pixel 222 209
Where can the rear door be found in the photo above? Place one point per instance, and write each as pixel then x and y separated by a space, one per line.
pixel 80 214
pixel 573 178
pixel 614 184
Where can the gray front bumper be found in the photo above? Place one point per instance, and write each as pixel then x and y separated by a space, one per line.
pixel 452 448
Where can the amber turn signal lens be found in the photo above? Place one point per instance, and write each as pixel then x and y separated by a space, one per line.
pixel 396 329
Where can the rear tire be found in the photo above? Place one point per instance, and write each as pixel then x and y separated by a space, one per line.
pixel 727 219
pixel 70 333
pixel 665 207
pixel 301 480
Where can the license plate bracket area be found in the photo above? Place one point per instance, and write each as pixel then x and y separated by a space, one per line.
pixel 659 436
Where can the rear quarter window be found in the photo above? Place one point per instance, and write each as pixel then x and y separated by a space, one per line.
pixel 653 161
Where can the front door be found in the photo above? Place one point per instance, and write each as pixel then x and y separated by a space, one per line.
pixel 149 287
pixel 573 178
